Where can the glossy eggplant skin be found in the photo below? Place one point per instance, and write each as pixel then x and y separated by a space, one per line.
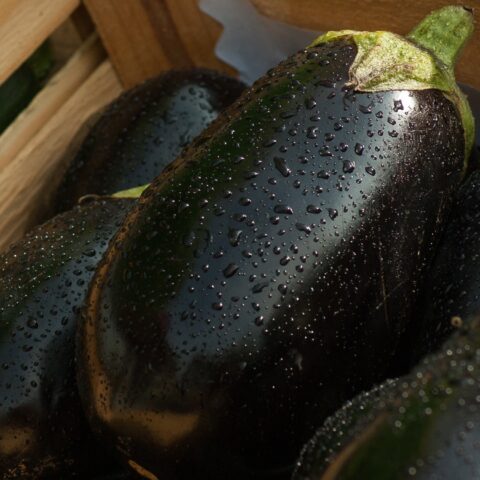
pixel 144 130
pixel 452 283
pixel 452 286
pixel 422 426
pixel 473 96
pixel 43 283
pixel 262 279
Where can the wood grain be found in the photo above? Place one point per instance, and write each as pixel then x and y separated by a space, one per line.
pixel 64 42
pixel 50 99
pixel 24 25
pixel 28 181
pixel 129 38
pixel 393 15
pixel 145 37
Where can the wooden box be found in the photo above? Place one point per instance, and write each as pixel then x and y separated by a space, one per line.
pixel 121 43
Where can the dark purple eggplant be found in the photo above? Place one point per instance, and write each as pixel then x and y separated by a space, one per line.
pixel 261 281
pixel 452 289
pixel 142 131
pixel 43 283
pixel 451 285
pixel 474 101
pixel 422 426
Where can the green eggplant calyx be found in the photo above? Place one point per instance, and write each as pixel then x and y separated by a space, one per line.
pixel 444 33
pixel 386 61
pixel 134 192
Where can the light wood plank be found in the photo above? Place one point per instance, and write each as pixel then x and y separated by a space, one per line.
pixel 57 91
pixel 144 38
pixel 27 183
pixel 24 25
pixel 130 39
pixel 399 16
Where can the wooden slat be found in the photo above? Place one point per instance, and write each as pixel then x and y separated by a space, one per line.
pixel 57 91
pixel 129 38
pixel 64 42
pixel 399 16
pixel 28 181
pixel 144 38
pixel 24 25
pixel 83 22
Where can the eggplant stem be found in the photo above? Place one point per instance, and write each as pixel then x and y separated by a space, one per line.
pixel 444 33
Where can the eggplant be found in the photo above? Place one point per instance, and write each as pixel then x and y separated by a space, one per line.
pixel 43 283
pixel 474 101
pixel 422 426
pixel 452 287
pixel 451 299
pixel 453 281
pixel 261 280
pixel 143 131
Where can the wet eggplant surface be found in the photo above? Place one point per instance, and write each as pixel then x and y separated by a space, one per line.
pixel 422 426
pixel 43 283
pixel 473 96
pixel 145 129
pixel 452 289
pixel 452 281
pixel 257 285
